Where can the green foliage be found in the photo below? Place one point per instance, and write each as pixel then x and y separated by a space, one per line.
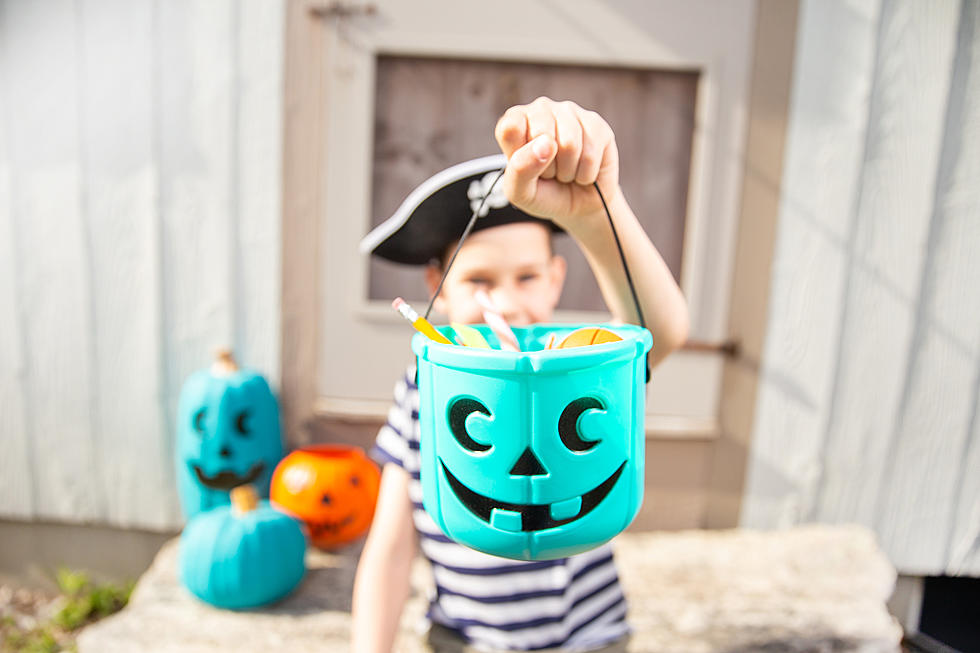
pixel 85 601
pixel 38 640
pixel 82 603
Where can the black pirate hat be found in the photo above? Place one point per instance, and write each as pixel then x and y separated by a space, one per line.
pixel 434 215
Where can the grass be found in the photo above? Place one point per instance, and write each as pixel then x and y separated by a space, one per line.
pixel 82 602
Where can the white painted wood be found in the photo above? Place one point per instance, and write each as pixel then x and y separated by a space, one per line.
pixel 715 39
pixel 955 301
pixel 121 212
pixel 195 68
pixel 259 183
pixel 885 266
pixel 867 408
pixel 139 228
pixel 963 555
pixel 824 147
pixel 16 489
pixel 939 428
pixel 54 265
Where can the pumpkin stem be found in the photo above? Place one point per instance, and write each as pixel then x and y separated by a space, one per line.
pixel 224 363
pixel 244 499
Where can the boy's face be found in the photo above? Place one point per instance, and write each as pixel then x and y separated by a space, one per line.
pixel 514 264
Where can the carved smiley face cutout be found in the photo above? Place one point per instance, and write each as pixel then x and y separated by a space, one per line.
pixel 528 517
pixel 530 472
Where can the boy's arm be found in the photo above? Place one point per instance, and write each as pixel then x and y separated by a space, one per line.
pixel 382 583
pixel 555 151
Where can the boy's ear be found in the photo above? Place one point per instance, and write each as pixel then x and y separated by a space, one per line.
pixel 432 276
pixel 558 267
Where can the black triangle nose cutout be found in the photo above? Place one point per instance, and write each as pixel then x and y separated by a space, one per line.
pixel 528 465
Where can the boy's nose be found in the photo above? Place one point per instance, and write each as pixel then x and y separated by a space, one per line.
pixel 508 306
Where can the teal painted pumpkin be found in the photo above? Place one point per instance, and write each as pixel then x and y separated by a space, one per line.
pixel 228 435
pixel 243 555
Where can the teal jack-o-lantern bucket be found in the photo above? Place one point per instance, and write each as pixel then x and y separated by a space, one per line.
pixel 535 454
pixel 228 434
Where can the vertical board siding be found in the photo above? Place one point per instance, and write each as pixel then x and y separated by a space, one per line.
pixel 824 147
pixel 952 306
pixel 116 115
pixel 139 229
pixel 963 547
pixel 259 177
pixel 906 116
pixel 196 127
pixel 889 403
pixel 933 426
pixel 16 493
pixel 54 267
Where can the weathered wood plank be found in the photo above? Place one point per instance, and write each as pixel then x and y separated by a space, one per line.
pixel 16 482
pixel 824 143
pixel 963 555
pixel 954 298
pixel 196 73
pixel 54 270
pixel 885 265
pixel 120 205
pixel 776 27
pixel 924 511
pixel 258 102
pixel 304 120
pixel 142 232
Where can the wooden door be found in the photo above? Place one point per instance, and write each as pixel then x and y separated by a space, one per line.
pixel 686 65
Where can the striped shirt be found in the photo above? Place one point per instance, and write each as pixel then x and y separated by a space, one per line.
pixel 575 603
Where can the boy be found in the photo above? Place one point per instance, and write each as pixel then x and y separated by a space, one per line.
pixel 554 152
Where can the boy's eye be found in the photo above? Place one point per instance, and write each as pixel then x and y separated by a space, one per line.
pixel 478 281
pixel 527 278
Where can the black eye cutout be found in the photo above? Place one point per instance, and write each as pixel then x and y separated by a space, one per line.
pixel 568 423
pixel 241 425
pixel 458 412
pixel 199 420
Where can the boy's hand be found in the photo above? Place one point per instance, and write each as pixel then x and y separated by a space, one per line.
pixel 555 151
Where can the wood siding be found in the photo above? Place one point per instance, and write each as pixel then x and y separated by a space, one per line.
pixel 867 403
pixel 139 229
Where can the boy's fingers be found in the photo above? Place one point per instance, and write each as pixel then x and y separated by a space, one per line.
pixel 511 130
pixel 569 136
pixel 525 168
pixel 541 120
pixel 596 147
pixel 588 163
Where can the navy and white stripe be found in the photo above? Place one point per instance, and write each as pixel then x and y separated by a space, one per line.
pixel 575 603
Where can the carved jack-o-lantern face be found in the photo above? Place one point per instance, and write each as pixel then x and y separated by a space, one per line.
pixel 534 455
pixel 228 435
pixel 530 516
pixel 331 488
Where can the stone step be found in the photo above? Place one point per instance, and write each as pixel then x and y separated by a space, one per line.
pixel 807 589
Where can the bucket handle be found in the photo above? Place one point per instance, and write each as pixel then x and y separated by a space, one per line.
pixel 619 247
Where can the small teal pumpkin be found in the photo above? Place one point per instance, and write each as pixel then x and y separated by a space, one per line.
pixel 243 555
pixel 228 435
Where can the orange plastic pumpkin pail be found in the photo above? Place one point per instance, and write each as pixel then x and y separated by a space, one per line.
pixel 332 488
